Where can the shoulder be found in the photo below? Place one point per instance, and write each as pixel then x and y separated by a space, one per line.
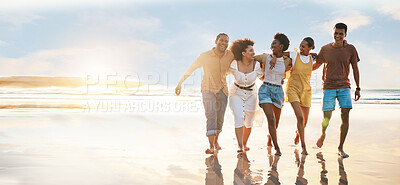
pixel 287 59
pixel 229 52
pixel 206 53
pixel 326 46
pixel 234 64
pixel 351 47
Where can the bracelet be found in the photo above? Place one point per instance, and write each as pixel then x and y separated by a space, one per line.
pixel 359 89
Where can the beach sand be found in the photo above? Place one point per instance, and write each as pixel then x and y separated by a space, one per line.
pixel 155 147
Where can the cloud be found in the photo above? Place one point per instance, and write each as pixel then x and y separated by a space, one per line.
pixel 17 20
pixel 92 57
pixel 43 5
pixel 391 9
pixel 353 20
pixel 117 22
pixel 377 68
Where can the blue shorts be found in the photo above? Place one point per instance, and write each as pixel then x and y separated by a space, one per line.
pixel 271 94
pixel 342 95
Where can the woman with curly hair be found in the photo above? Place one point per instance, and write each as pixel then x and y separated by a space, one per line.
pixel 243 92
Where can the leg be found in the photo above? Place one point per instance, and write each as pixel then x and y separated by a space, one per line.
pixel 300 124
pixel 216 142
pixel 325 123
pixel 222 101
pixel 211 140
pixel 246 135
pixel 344 128
pixel 268 110
pixel 344 98
pixel 328 106
pixel 239 137
pixel 305 111
pixel 209 102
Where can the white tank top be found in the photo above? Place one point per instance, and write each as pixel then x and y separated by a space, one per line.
pixel 275 75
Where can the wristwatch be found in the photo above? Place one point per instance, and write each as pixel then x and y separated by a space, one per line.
pixel 358 88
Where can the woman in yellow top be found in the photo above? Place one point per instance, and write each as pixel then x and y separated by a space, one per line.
pixel 298 89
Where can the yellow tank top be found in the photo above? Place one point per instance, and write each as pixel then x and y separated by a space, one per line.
pixel 299 80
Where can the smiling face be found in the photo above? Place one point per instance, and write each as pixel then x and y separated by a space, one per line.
pixel 339 35
pixel 222 43
pixel 276 46
pixel 248 54
pixel 304 48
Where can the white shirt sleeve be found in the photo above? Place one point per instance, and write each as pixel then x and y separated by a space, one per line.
pixel 232 68
pixel 258 70
pixel 293 56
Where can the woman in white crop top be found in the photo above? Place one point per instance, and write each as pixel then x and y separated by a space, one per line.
pixel 270 93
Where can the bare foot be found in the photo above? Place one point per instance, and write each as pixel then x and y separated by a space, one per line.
pixel 217 147
pixel 210 151
pixel 304 152
pixel 320 156
pixel 269 149
pixel 296 139
pixel 269 140
pixel 246 148
pixel 240 151
pixel 320 141
pixel 342 154
pixel 278 152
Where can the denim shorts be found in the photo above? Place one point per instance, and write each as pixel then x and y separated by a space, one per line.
pixel 271 94
pixel 342 95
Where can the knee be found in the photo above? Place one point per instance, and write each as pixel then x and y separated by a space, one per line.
pixel 271 119
pixel 300 120
pixel 345 112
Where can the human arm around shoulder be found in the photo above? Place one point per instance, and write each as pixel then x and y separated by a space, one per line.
pixel 319 60
pixel 288 63
pixel 196 64
pixel 261 58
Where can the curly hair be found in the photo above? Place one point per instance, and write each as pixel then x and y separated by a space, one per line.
pixel 282 38
pixel 240 46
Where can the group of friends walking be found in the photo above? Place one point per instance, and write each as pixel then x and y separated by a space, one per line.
pixel 241 62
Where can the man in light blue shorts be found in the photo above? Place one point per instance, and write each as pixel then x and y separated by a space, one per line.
pixel 337 58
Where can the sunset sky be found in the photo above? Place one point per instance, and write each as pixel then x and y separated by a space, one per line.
pixel 157 40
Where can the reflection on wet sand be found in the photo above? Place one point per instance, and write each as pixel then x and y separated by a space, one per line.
pixel 213 171
pixel 243 174
pixel 321 160
pixel 273 176
pixel 342 172
pixel 300 165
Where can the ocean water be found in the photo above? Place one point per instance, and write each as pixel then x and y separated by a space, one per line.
pixel 144 100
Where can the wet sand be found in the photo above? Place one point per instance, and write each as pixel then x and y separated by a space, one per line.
pixel 78 147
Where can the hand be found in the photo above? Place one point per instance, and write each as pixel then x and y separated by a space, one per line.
pixel 178 89
pixel 272 62
pixel 345 43
pixel 314 56
pixel 357 95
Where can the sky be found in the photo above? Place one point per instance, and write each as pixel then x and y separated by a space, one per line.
pixel 155 41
